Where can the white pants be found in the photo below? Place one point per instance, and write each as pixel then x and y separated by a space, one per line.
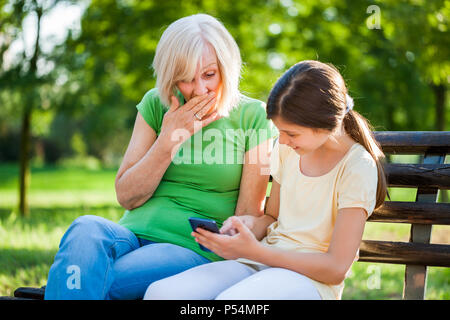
pixel 232 280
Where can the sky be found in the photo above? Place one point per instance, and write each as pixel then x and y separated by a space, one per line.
pixel 54 27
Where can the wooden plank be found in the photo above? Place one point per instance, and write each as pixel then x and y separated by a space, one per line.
pixel 30 293
pixel 405 253
pixel 414 142
pixel 415 275
pixel 415 175
pixel 412 212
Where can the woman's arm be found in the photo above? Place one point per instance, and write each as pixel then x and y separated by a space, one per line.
pixel 135 183
pixel 254 180
pixel 260 224
pixel 148 156
pixel 329 267
pixel 253 191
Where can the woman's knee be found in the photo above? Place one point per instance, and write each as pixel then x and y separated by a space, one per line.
pixel 90 231
pixel 87 224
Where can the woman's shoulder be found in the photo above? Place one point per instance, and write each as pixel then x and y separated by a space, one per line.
pixel 251 107
pixel 152 109
pixel 152 97
pixel 249 111
pixel 251 102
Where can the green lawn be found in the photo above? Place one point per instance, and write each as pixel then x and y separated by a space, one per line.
pixel 59 195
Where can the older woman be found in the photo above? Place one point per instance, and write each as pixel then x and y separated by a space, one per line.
pixel 199 148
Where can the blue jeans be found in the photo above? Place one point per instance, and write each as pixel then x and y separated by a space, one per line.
pixel 100 259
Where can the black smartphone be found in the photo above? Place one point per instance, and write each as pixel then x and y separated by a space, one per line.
pixel 206 224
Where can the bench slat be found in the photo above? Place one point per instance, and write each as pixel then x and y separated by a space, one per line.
pixel 412 212
pixel 437 255
pixel 30 293
pixel 406 142
pixel 415 175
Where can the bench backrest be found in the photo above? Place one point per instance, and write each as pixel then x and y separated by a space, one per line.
pixel 428 177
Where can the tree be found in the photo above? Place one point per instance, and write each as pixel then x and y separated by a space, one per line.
pixel 425 42
pixel 22 76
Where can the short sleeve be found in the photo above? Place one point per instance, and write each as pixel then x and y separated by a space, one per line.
pixel 152 110
pixel 358 185
pixel 275 162
pixel 278 158
pixel 257 127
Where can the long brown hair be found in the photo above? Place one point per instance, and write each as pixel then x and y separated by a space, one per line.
pixel 313 94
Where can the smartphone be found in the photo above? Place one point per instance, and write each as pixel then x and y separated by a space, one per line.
pixel 206 224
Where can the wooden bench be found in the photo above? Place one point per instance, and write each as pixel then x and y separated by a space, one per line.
pixel 428 177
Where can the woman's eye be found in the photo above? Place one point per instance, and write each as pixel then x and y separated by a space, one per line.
pixel 209 75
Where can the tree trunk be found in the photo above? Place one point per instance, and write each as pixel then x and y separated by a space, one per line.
pixel 26 126
pixel 24 181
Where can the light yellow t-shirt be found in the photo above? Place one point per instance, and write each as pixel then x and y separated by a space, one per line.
pixel 309 205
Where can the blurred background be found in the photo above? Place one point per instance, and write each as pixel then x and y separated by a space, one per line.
pixel 72 72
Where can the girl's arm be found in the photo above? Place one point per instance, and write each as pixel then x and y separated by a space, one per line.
pixel 329 267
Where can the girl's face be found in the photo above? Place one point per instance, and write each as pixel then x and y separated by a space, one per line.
pixel 206 79
pixel 302 140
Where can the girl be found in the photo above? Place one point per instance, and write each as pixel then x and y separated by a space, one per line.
pixel 327 180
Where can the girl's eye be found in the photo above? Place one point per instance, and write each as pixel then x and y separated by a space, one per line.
pixel 209 75
pixel 290 135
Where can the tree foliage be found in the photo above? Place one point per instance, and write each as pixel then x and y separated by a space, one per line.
pixel 394 72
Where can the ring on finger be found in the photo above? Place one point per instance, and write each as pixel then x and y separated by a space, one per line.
pixel 197 116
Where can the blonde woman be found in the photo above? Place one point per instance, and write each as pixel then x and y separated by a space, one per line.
pixel 198 149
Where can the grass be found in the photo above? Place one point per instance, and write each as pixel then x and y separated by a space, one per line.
pixel 59 195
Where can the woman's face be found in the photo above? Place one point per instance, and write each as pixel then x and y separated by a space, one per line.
pixel 302 140
pixel 206 79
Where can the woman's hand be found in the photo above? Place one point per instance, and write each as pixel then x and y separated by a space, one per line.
pixel 181 122
pixel 241 245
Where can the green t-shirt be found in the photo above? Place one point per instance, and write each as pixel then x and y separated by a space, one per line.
pixel 204 177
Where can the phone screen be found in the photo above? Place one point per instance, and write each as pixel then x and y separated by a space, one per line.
pixel 206 224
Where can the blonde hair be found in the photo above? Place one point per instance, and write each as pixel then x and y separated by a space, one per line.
pixel 179 52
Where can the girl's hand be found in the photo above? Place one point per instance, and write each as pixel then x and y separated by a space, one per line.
pixel 181 122
pixel 228 228
pixel 241 245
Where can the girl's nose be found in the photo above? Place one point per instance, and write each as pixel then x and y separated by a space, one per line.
pixel 283 139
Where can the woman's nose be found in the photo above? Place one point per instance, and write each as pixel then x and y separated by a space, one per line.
pixel 200 88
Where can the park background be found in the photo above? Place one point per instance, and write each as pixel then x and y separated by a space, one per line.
pixel 72 73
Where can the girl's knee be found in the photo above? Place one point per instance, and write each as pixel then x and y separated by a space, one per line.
pixel 164 290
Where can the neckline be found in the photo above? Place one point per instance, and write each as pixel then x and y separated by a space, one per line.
pixel 329 172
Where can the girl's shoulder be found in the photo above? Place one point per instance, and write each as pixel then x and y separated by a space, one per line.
pixel 359 159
